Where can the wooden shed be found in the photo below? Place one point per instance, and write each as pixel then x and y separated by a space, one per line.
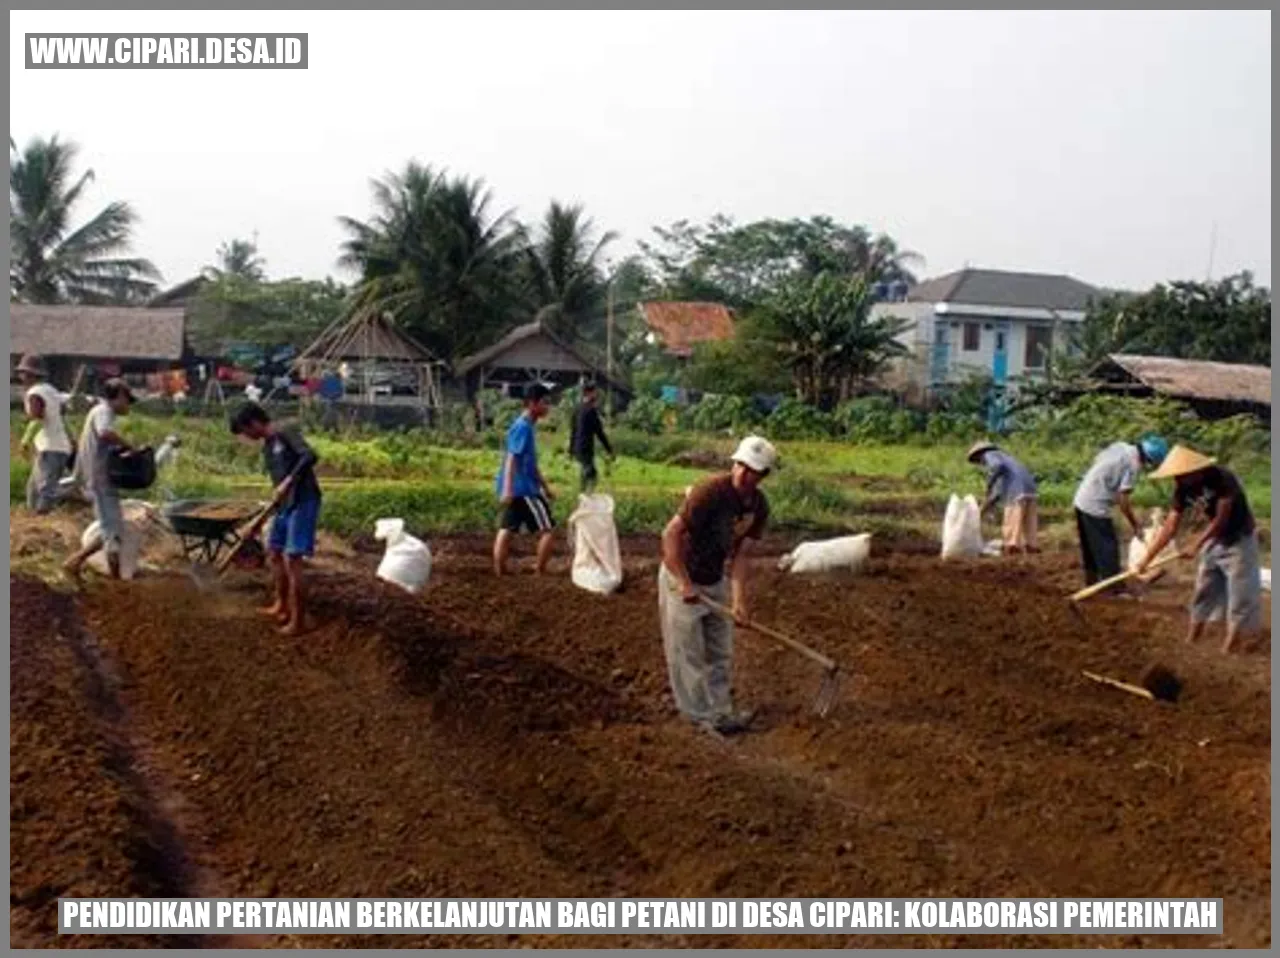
pixel 105 340
pixel 1213 390
pixel 529 354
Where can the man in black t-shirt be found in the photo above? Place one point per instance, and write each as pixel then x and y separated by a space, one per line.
pixel 586 429
pixel 1229 576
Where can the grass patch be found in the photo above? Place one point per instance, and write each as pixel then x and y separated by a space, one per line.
pixel 445 483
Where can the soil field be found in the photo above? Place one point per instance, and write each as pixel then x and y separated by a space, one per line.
pixel 516 738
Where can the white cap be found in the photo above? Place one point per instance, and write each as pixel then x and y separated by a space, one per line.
pixel 756 453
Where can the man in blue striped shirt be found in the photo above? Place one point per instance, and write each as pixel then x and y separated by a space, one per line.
pixel 1010 484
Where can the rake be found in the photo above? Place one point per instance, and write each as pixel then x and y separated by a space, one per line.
pixel 830 687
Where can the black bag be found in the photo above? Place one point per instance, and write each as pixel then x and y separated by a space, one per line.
pixel 131 469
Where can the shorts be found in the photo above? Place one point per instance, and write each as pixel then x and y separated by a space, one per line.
pixel 293 531
pixel 530 512
pixel 106 509
pixel 1229 579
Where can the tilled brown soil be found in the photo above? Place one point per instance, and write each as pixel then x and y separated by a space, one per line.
pixel 82 823
pixel 515 738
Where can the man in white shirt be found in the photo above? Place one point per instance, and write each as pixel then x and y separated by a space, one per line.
pixel 97 439
pixel 46 436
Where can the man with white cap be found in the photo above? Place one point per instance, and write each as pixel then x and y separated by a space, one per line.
pixel 1109 483
pixel 1229 576
pixel 50 443
pixel 1009 483
pixel 707 539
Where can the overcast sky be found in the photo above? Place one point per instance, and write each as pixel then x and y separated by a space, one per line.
pixel 1103 145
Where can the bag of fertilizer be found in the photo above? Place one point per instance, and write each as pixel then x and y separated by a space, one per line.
pixel 1138 547
pixel 136 516
pixel 847 553
pixel 597 558
pixel 407 561
pixel 962 528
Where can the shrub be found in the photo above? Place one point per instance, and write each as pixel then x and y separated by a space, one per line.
pixel 646 414
pixel 720 413
pixel 794 419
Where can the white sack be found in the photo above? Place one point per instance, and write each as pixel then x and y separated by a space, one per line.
pixel 1266 579
pixel 962 528
pixel 845 553
pixel 407 561
pixel 1138 547
pixel 597 558
pixel 136 515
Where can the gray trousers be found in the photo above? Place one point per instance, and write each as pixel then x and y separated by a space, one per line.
pixel 1229 579
pixel 42 483
pixel 699 647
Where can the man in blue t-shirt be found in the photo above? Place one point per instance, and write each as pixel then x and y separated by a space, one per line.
pixel 523 492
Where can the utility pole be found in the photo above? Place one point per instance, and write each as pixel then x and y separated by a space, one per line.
pixel 608 387
pixel 1213 248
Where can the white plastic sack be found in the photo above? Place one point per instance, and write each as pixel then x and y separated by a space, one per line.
pixel 407 561
pixel 136 516
pixel 994 547
pixel 1266 579
pixel 597 558
pixel 1138 547
pixel 962 528
pixel 845 553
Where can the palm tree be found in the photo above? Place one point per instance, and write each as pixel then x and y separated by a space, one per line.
pixel 54 263
pixel 238 258
pixel 435 258
pixel 565 277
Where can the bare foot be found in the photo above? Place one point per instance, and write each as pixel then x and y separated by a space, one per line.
pixel 292 628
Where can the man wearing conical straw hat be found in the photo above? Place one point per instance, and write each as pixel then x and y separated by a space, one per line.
pixel 1228 578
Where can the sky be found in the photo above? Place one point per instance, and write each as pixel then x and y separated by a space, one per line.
pixel 1123 148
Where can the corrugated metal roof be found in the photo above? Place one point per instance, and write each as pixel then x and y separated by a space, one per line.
pixel 105 332
pixel 1194 379
pixel 992 287
pixel 680 326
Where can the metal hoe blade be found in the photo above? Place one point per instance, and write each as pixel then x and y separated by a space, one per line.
pixel 827 693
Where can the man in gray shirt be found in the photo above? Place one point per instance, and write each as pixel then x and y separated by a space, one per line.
pixel 1108 484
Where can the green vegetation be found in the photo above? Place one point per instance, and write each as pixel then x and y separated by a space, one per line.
pixel 828 483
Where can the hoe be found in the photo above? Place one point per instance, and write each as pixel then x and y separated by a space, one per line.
pixel 830 686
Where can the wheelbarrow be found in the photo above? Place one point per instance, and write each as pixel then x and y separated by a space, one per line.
pixel 209 528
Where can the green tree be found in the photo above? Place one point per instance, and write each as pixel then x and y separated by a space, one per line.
pixel 234 309
pixel 742 266
pixel 436 259
pixel 822 330
pixel 1225 321
pixel 238 258
pixel 53 262
pixel 566 279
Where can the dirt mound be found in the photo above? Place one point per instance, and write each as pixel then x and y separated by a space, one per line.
pixel 515 738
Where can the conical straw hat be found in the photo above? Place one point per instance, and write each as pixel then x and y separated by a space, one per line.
pixel 1180 462
pixel 978 448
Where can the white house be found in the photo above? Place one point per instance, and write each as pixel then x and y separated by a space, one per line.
pixel 985 322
